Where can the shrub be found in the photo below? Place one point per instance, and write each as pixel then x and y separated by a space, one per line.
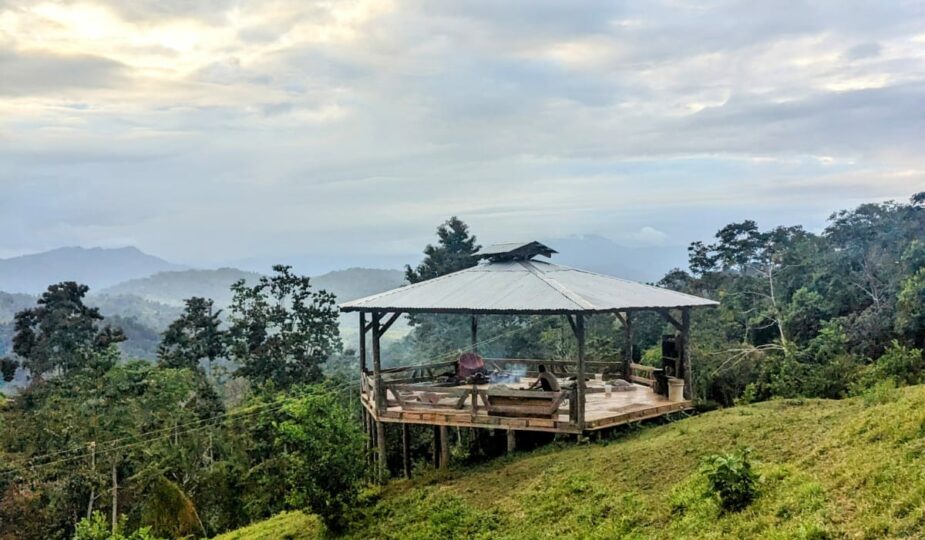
pixel 97 527
pixel 900 364
pixel 731 479
pixel 883 392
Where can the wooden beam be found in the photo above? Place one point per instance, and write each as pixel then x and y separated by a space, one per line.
pixel 668 317
pixel 370 440
pixel 383 457
pixel 628 325
pixel 436 448
pixel 620 317
pixel 474 333
pixel 511 441
pixel 362 351
pixel 388 323
pixel 686 353
pixel 571 322
pixel 580 334
pixel 406 449
pixel 377 364
pixel 444 447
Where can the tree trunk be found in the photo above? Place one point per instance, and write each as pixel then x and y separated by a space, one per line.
pixel 115 499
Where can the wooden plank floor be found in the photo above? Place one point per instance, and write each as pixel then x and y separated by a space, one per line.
pixel 600 411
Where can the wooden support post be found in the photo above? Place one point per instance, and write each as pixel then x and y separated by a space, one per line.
pixel 474 331
pixel 436 447
pixel 362 351
pixel 511 441
pixel 406 449
pixel 628 325
pixel 685 353
pixel 444 447
pixel 383 457
pixel 370 438
pixel 580 334
pixel 377 364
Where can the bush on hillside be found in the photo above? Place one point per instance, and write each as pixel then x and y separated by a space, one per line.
pixel 322 447
pixel 902 365
pixel 731 479
pixel 97 527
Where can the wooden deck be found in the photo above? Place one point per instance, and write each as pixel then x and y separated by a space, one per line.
pixel 467 406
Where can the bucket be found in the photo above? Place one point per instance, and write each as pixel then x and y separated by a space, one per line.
pixel 675 389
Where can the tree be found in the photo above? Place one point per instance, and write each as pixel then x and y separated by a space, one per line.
pixel 910 316
pixel 281 330
pixel 323 450
pixel 193 337
pixel 61 333
pixel 454 251
pixel 95 437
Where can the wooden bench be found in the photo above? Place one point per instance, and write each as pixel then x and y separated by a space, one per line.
pixel 523 403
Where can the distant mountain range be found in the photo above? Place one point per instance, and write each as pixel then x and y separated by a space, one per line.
pixel 171 288
pixel 95 267
pixel 143 293
pixel 604 256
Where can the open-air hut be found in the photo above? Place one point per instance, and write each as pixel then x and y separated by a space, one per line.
pixel 510 280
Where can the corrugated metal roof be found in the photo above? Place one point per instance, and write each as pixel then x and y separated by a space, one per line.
pixel 524 287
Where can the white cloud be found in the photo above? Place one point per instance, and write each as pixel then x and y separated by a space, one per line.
pixel 269 126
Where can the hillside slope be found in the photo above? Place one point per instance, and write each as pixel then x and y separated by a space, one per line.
pixel 831 469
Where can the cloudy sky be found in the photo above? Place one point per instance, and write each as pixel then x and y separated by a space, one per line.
pixel 220 130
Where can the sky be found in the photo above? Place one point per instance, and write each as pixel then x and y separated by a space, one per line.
pixel 216 131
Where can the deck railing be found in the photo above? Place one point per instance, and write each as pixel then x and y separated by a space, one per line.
pixel 405 387
pixel 642 374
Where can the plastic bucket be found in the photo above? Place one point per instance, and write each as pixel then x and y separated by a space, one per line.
pixel 675 389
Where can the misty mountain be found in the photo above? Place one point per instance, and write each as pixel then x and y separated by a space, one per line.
pixel 95 267
pixel 604 256
pixel 173 287
pixel 354 283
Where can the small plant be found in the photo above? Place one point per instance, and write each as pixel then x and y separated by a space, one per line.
pixel 731 479
pixel 97 527
pixel 881 393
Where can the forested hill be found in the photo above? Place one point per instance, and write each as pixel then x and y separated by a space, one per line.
pixel 174 287
pixel 828 469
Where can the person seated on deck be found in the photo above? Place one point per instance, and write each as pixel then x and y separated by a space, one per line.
pixel 546 381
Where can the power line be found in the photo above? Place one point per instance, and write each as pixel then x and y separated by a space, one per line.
pixel 146 441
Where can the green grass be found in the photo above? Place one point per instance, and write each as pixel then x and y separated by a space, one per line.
pixel 285 526
pixel 830 469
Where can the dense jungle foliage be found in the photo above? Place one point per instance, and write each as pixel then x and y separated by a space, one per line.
pixel 243 419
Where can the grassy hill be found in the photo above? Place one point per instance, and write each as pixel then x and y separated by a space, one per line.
pixel 830 469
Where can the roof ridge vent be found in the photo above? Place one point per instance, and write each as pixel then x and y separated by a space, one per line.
pixel 515 251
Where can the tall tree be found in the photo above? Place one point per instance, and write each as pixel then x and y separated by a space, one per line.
pixel 195 336
pixel 455 250
pixel 61 333
pixel 281 330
